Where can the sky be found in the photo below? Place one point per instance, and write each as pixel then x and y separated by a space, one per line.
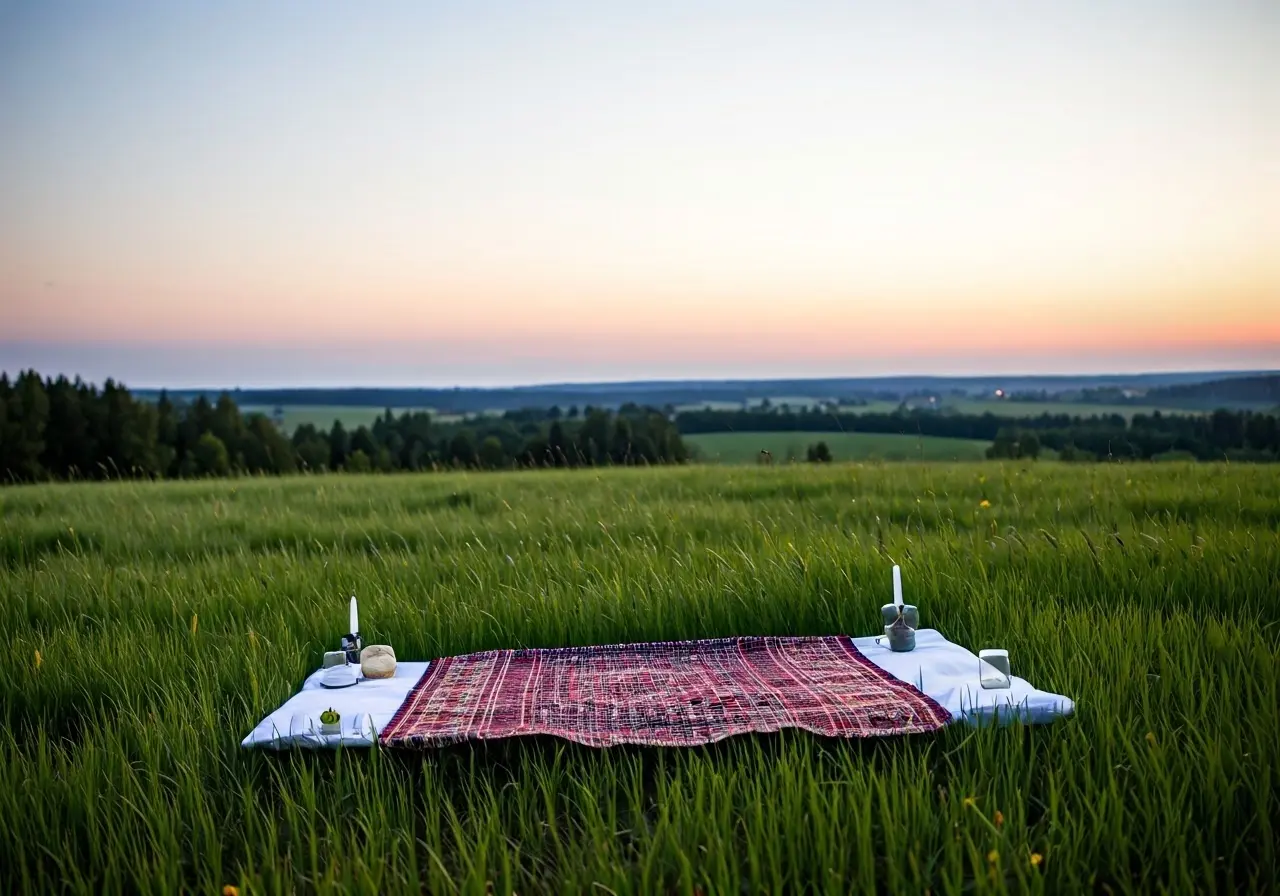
pixel 480 193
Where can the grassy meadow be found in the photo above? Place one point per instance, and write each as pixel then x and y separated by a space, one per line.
pixel 148 627
pixel 745 447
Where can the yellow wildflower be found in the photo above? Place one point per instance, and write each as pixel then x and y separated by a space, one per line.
pixel 969 802
pixel 985 503
pixel 1151 739
pixel 993 857
pixel 230 890
pixel 999 818
pixel 39 659
pixel 1036 859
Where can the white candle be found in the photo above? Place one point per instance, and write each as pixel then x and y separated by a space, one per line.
pixel 355 622
pixel 897 585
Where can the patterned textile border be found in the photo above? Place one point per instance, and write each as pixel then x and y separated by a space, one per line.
pixel 673 693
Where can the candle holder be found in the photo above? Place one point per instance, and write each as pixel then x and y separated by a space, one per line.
pixel 351 642
pixel 910 614
pixel 900 619
pixel 351 645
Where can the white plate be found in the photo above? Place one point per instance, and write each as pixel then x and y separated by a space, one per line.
pixel 339 677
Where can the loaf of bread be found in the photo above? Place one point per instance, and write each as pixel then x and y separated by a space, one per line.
pixel 377 661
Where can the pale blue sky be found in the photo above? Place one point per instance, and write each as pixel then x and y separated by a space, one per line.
pixel 466 193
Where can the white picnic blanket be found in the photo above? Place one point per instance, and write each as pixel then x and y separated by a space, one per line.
pixel 946 672
pixel 949 674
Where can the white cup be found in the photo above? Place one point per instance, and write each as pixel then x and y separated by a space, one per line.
pixel 993 669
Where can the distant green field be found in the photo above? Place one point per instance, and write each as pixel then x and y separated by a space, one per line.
pixel 322 416
pixel 710 406
pixel 1036 408
pixel 745 447
pixel 872 407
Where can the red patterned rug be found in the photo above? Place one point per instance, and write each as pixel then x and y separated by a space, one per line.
pixel 663 694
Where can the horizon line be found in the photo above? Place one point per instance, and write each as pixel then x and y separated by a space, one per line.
pixel 664 381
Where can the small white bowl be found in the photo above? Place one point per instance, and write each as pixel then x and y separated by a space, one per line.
pixel 339 677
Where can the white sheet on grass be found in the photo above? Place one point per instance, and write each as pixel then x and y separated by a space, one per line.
pixel 949 674
pixel 946 672
pixel 366 708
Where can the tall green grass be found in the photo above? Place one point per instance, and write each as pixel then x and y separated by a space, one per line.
pixel 149 627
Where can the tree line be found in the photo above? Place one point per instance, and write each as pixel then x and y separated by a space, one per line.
pixel 1257 390
pixel 1223 434
pixel 60 428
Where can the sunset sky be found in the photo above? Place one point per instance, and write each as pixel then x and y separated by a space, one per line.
pixel 492 193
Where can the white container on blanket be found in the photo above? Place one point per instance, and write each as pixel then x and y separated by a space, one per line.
pixel 993 669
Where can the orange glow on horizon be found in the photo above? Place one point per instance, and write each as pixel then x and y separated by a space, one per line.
pixel 773 325
pixel 817 183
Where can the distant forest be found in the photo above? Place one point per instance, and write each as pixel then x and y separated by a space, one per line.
pixel 68 429
pixel 1256 390
pixel 1132 388
pixel 1229 435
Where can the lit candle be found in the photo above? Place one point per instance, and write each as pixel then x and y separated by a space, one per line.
pixel 900 619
